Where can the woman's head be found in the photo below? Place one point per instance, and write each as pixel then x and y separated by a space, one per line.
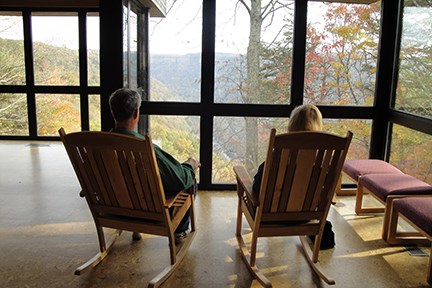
pixel 305 117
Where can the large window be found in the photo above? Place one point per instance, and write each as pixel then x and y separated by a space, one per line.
pixel 175 53
pixel 342 51
pixel 221 74
pixel 253 62
pixel 253 56
pixel 415 72
pixel 45 80
pixel 410 149
pixel 13 106
pixel 55 53
pixel 411 152
pixel 130 47
pixel 253 48
pixel 13 114
pixel 93 49
pixel 12 49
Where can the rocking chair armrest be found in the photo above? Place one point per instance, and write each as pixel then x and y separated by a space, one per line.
pixel 82 194
pixel 191 190
pixel 245 181
pixel 169 202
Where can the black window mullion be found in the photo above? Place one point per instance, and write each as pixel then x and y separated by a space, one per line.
pixel 29 71
pixel 381 128
pixel 111 55
pixel 84 103
pixel 207 93
pixel 143 60
pixel 299 52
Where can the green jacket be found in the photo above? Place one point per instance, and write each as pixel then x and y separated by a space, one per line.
pixel 175 176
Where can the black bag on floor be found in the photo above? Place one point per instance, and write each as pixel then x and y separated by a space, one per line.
pixel 328 239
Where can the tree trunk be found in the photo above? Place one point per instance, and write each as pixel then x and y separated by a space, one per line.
pixel 252 84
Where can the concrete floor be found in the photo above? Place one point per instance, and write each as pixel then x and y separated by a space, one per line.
pixel 46 231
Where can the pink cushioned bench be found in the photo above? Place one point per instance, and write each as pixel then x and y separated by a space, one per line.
pixel 383 181
pixel 354 168
pixel 417 211
pixel 385 186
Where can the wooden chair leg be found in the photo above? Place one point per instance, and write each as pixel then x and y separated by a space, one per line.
pixel 246 256
pixel 192 214
pixel 180 254
pixel 101 255
pixel 239 217
pixel 314 265
pixel 101 238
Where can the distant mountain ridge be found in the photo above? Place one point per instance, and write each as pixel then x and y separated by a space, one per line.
pixel 182 74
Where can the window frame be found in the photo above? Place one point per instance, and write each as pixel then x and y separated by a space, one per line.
pixel 382 113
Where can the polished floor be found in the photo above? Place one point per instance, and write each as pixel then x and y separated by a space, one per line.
pixel 46 231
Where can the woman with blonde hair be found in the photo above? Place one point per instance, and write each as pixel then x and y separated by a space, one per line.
pixel 306 117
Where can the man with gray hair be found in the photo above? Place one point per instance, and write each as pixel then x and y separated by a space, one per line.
pixel 125 105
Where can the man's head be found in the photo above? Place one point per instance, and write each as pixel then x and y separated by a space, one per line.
pixel 124 104
pixel 305 117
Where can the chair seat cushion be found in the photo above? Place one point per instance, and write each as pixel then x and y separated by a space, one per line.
pixel 383 185
pixel 358 167
pixel 418 210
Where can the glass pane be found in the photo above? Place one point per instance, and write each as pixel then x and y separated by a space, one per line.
pixel 241 141
pixel 177 135
pixel 54 111
pixel 360 143
pixel 94 111
pixel 341 53
pixel 13 114
pixel 415 67
pixel 125 46
pixel 93 49
pixel 12 68
pixel 411 152
pixel 175 53
pixel 130 41
pixel 253 52
pixel 234 145
pixel 55 49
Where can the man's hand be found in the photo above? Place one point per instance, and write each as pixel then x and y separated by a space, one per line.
pixel 193 162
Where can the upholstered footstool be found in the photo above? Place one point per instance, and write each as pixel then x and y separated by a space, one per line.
pixel 382 186
pixel 417 211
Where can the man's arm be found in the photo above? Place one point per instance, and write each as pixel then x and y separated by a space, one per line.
pixel 175 176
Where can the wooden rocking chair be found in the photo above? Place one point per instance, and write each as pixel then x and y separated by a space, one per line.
pixel 120 180
pixel 300 175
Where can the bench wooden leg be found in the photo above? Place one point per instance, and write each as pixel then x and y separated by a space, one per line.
pixel 429 276
pixel 359 202
pixel 403 238
pixel 406 238
pixel 345 192
pixel 387 220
